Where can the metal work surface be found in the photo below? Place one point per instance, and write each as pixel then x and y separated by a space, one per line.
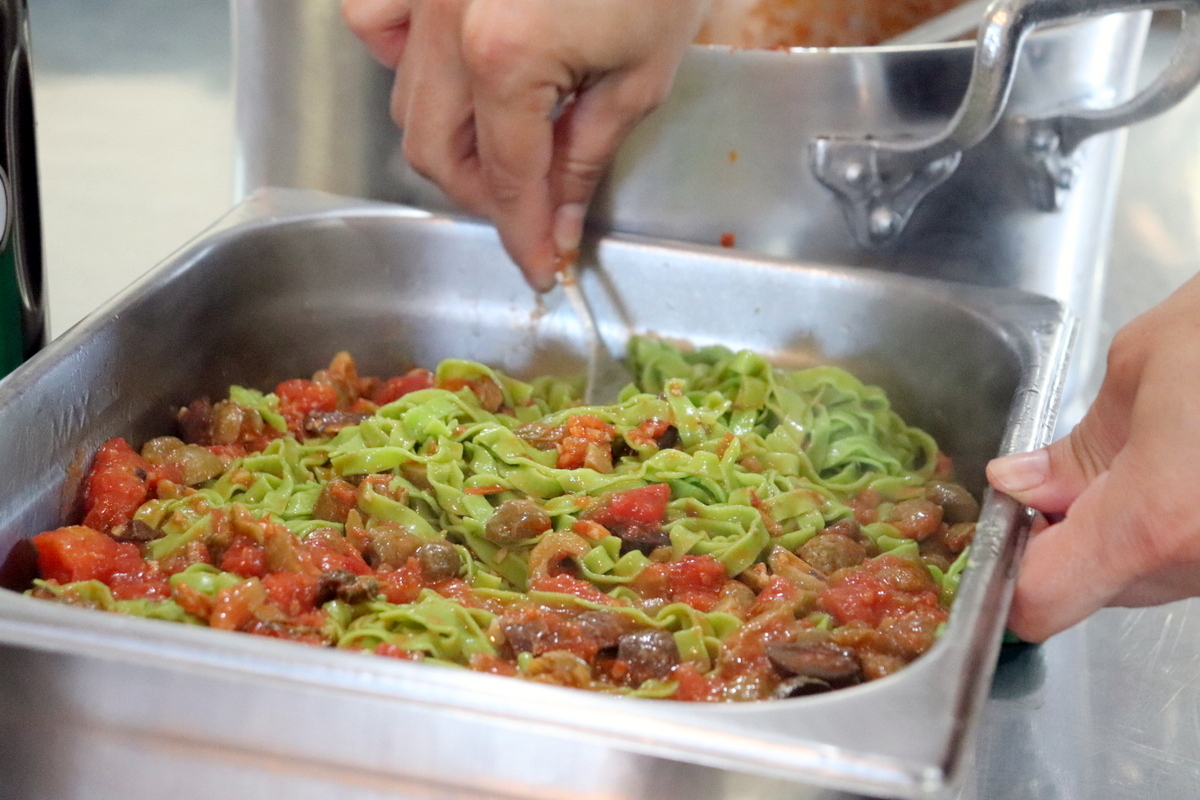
pixel 1107 710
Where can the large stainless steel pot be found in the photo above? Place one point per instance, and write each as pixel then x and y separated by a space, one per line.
pixel 22 312
pixel 1021 202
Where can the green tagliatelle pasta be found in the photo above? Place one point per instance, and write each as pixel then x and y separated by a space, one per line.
pixel 760 462
pixel 819 429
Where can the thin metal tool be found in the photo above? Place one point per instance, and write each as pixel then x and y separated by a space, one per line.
pixel 568 279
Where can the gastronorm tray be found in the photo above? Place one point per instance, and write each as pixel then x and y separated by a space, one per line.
pixel 287 278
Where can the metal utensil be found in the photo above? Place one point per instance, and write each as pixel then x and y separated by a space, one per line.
pixel 605 374
pixel 568 279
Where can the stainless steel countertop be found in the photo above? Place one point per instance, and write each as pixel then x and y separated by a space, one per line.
pixel 134 106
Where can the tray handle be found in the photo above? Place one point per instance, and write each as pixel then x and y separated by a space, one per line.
pixel 879 183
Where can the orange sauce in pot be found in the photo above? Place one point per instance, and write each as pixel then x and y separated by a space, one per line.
pixel 815 23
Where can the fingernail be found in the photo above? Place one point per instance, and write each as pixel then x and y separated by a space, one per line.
pixel 541 283
pixel 568 228
pixel 1020 472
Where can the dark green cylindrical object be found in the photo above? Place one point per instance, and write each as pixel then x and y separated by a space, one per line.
pixel 12 348
pixel 22 309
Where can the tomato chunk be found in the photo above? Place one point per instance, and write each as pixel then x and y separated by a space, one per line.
pixel 587 442
pixel 565 584
pixel 79 553
pixel 394 388
pixel 402 585
pixel 693 685
pixel 886 586
pixel 322 555
pixel 305 396
pixel 298 398
pixel 642 506
pixel 118 482
pixel 245 557
pixel 293 593
pixel 696 580
pixel 648 432
pixel 75 553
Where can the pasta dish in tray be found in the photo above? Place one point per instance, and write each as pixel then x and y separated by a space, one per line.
pixel 725 531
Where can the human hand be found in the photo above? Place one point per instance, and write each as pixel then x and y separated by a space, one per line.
pixel 1128 478
pixel 515 107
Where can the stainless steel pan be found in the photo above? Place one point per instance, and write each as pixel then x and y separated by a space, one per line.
pixel 290 277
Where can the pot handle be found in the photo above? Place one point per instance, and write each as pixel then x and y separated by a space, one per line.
pixel 879 183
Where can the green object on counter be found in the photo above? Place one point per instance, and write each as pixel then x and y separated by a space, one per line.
pixel 11 340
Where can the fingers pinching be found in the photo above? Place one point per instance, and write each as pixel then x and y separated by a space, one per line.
pixel 1051 478
pixel 432 103
pixel 382 25
pixel 1077 566
pixel 515 91
pixel 515 142
pixel 586 141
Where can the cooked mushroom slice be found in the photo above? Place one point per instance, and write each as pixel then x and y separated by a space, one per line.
pixel 957 503
pixel 959 535
pixel 327 423
pixel 603 627
pixel 669 439
pixel 331 584
pixel 829 552
pixel 196 421
pixel 136 531
pixel 194 464
pixel 799 686
pixel 347 587
pixel 649 653
pixel 336 501
pixel 542 436
pixel 391 544
pixel 641 537
pixel 525 636
pixel 439 560
pixel 821 661
pixel 515 521
pixel 917 518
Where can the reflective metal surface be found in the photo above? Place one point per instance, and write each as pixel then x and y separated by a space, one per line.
pixel 880 180
pixel 727 154
pixel 256 301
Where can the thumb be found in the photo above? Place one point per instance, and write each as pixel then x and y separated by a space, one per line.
pixel 1081 564
pixel 1051 478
